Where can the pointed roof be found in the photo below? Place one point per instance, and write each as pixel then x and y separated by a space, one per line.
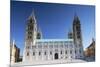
pixel 13 43
pixel 32 16
pixel 76 19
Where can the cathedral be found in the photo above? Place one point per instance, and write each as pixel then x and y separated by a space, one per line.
pixel 37 49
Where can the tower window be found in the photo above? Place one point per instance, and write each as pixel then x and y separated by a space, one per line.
pixel 29 37
pixel 78 28
pixel 30 27
pixel 30 20
pixel 78 32
pixel 27 47
pixel 78 36
pixel 30 33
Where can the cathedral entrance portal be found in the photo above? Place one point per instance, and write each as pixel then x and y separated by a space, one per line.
pixel 56 56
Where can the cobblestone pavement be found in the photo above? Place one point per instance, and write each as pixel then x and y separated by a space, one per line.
pixel 47 62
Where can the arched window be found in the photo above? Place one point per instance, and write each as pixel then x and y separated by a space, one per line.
pixel 39 53
pixel 33 53
pixel 45 53
pixel 50 53
pixel 61 52
pixel 66 52
pixel 70 51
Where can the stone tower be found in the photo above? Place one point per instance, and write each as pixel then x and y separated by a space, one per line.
pixel 31 35
pixel 14 52
pixel 77 36
pixel 39 34
pixel 70 35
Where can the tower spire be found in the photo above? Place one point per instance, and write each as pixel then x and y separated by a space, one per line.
pixel 75 15
pixel 76 19
pixel 13 43
pixel 32 14
pixel 32 17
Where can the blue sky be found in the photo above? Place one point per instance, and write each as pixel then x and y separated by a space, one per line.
pixel 54 20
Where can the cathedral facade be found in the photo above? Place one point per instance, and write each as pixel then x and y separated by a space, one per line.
pixel 38 49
